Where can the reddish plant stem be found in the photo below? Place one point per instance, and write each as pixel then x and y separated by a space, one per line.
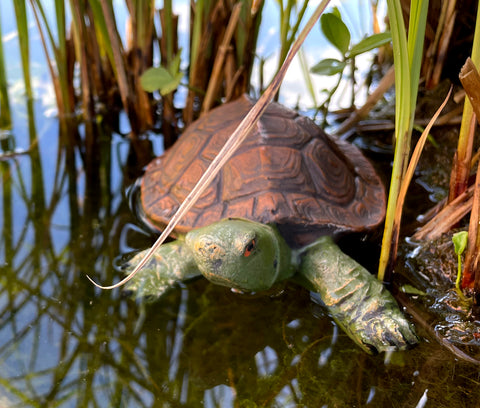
pixel 471 255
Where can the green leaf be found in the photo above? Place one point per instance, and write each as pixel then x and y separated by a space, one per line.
pixel 460 241
pixel 161 79
pixel 328 66
pixel 172 85
pixel 336 11
pixel 369 43
pixel 336 31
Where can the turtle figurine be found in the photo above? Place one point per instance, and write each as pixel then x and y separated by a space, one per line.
pixel 269 215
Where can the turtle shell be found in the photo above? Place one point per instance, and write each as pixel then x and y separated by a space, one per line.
pixel 287 171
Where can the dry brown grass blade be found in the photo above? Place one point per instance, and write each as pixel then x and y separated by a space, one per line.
pixel 237 137
pixel 471 83
pixel 214 82
pixel 448 216
pixel 462 163
pixel 199 65
pixel 443 49
pixel 470 80
pixel 436 52
pixel 118 53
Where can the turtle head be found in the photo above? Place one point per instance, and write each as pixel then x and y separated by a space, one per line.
pixel 240 254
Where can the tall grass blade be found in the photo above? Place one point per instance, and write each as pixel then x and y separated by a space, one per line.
pixel 117 52
pixel 288 31
pixel 23 38
pixel 307 76
pixel 416 35
pixel 402 120
pixel 197 31
pixel 57 63
pixel 216 76
pixel 407 59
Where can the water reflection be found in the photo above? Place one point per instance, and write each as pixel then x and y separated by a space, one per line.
pixel 65 343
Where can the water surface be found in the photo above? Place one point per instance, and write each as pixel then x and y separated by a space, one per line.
pixel 65 343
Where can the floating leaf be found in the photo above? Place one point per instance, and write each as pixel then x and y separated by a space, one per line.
pixel 328 66
pixel 336 31
pixel 370 43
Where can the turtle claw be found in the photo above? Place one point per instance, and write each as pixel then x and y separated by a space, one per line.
pixel 388 330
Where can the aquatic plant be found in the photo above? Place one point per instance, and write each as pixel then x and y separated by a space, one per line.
pixel 338 34
pixel 459 240
pixel 407 60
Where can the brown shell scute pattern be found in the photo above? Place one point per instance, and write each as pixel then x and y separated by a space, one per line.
pixel 287 171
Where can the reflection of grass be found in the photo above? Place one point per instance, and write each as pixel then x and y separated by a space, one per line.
pixel 5 119
pixel 57 346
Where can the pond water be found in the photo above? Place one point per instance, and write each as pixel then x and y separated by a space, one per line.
pixel 64 343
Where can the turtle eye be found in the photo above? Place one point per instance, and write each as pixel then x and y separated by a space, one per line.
pixel 249 248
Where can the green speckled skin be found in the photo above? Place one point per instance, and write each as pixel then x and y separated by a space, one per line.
pixel 357 301
pixel 250 256
pixel 219 251
pixel 173 262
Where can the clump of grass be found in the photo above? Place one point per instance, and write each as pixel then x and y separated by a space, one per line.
pixel 407 60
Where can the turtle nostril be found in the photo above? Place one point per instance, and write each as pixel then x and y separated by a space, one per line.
pixel 211 250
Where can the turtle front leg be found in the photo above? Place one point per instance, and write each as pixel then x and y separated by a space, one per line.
pixel 171 263
pixel 358 302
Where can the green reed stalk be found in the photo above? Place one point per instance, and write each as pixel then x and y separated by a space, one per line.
pixel 307 76
pixel 288 31
pixel 197 31
pixel 102 32
pixel 416 36
pixel 118 62
pixel 22 26
pixel 61 56
pixel 407 59
pixel 5 117
pixel 57 61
